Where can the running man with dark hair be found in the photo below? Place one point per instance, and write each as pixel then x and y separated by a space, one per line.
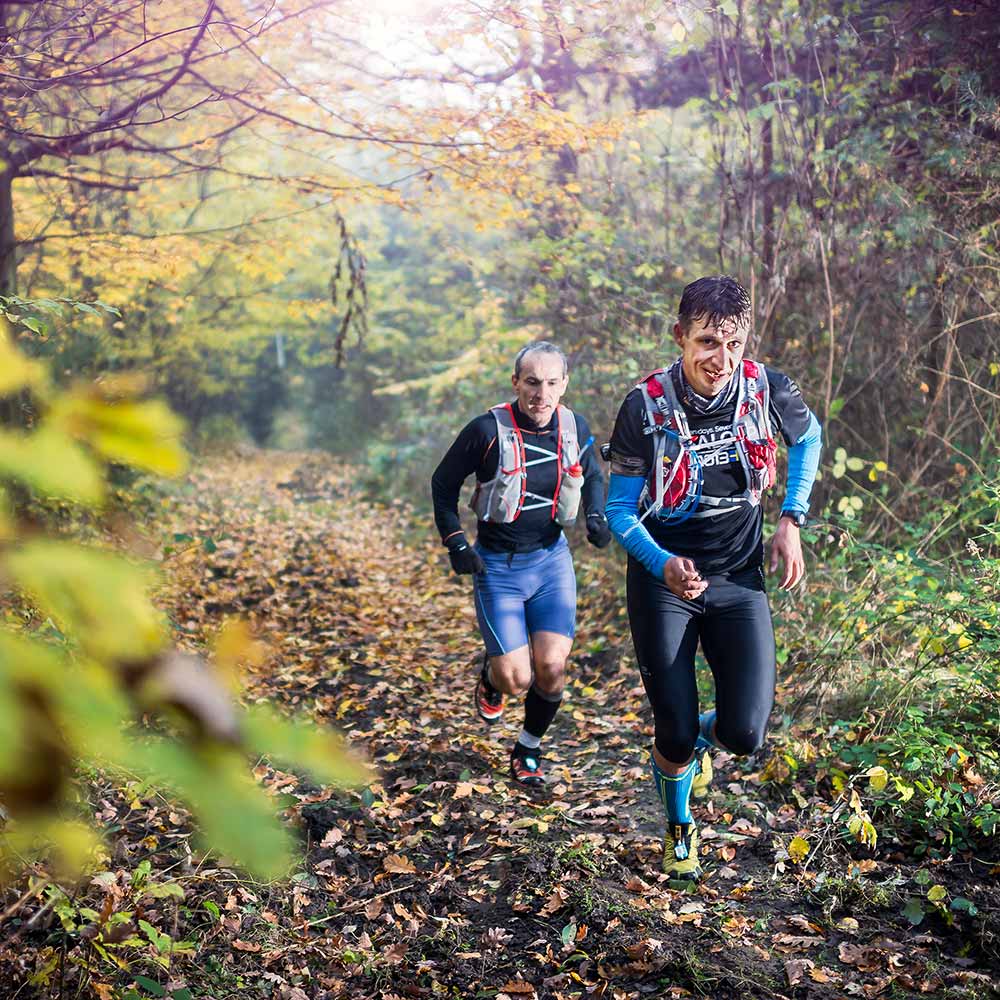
pixel 534 464
pixel 692 454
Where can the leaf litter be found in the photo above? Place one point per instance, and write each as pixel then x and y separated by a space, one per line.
pixel 443 878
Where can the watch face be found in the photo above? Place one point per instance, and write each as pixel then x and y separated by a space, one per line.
pixel 794 516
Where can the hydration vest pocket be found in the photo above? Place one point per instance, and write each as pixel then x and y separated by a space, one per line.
pixel 676 476
pixel 761 457
pixel 673 477
pixel 570 491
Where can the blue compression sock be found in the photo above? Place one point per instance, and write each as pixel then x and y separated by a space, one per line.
pixel 706 741
pixel 675 791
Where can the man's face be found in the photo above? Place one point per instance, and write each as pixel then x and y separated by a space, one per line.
pixel 711 353
pixel 540 385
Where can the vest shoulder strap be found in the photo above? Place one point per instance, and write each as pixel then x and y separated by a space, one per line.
pixel 567 425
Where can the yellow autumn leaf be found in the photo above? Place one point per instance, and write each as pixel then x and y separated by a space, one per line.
pixel 798 849
pixel 235 645
pixel 16 371
pixel 97 596
pixel 144 434
pixel 52 464
pixel 878 778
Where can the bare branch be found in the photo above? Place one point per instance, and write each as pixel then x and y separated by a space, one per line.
pixel 91 182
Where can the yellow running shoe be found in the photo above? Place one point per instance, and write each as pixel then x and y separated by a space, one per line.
pixel 703 776
pixel 680 852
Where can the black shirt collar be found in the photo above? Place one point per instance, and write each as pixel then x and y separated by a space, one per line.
pixel 526 423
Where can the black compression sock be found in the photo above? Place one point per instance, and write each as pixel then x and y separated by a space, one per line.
pixel 539 711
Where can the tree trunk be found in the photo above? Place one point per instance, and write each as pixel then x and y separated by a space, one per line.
pixel 767 197
pixel 8 245
pixel 767 169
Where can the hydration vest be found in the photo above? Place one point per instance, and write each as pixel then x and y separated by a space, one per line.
pixel 673 491
pixel 502 499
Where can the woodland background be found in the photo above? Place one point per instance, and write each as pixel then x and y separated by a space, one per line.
pixel 323 229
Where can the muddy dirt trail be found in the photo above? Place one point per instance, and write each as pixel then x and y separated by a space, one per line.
pixel 443 879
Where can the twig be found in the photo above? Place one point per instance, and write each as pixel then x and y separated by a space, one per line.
pixel 28 894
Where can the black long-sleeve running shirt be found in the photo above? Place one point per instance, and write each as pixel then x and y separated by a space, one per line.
pixel 734 540
pixel 475 451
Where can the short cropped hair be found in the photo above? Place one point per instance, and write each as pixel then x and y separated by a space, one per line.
pixel 544 347
pixel 713 299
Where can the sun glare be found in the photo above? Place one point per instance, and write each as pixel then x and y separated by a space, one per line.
pixel 393 27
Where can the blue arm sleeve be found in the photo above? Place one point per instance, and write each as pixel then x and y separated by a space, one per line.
pixel 803 461
pixel 623 499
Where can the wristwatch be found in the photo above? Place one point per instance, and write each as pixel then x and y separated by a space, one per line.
pixel 797 517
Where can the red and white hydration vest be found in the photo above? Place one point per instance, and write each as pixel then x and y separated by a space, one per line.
pixel 673 491
pixel 502 499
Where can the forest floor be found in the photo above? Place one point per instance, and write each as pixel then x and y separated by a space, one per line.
pixel 443 879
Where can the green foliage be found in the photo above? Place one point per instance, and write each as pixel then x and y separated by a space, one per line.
pixel 909 635
pixel 88 652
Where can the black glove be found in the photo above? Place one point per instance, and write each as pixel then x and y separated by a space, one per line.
pixel 598 532
pixel 464 558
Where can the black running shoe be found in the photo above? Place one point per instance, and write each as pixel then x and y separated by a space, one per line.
pixel 526 767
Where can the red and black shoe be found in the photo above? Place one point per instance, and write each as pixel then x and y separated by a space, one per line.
pixel 489 701
pixel 526 767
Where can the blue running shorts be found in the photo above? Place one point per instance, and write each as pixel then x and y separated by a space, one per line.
pixel 524 593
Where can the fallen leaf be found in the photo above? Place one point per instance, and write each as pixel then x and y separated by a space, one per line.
pixel 798 849
pixel 396 953
pixel 399 864
pixel 796 969
pixel 823 975
pixel 864 959
pixel 804 924
pixel 796 942
pixel 554 903
pixel 332 837
pixel 516 986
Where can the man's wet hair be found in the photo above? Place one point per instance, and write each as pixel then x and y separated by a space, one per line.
pixel 714 299
pixel 543 347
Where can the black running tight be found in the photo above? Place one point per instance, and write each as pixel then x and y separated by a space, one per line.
pixel 733 621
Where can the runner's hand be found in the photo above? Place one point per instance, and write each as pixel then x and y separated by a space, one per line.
pixel 786 547
pixel 598 532
pixel 464 558
pixel 682 577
